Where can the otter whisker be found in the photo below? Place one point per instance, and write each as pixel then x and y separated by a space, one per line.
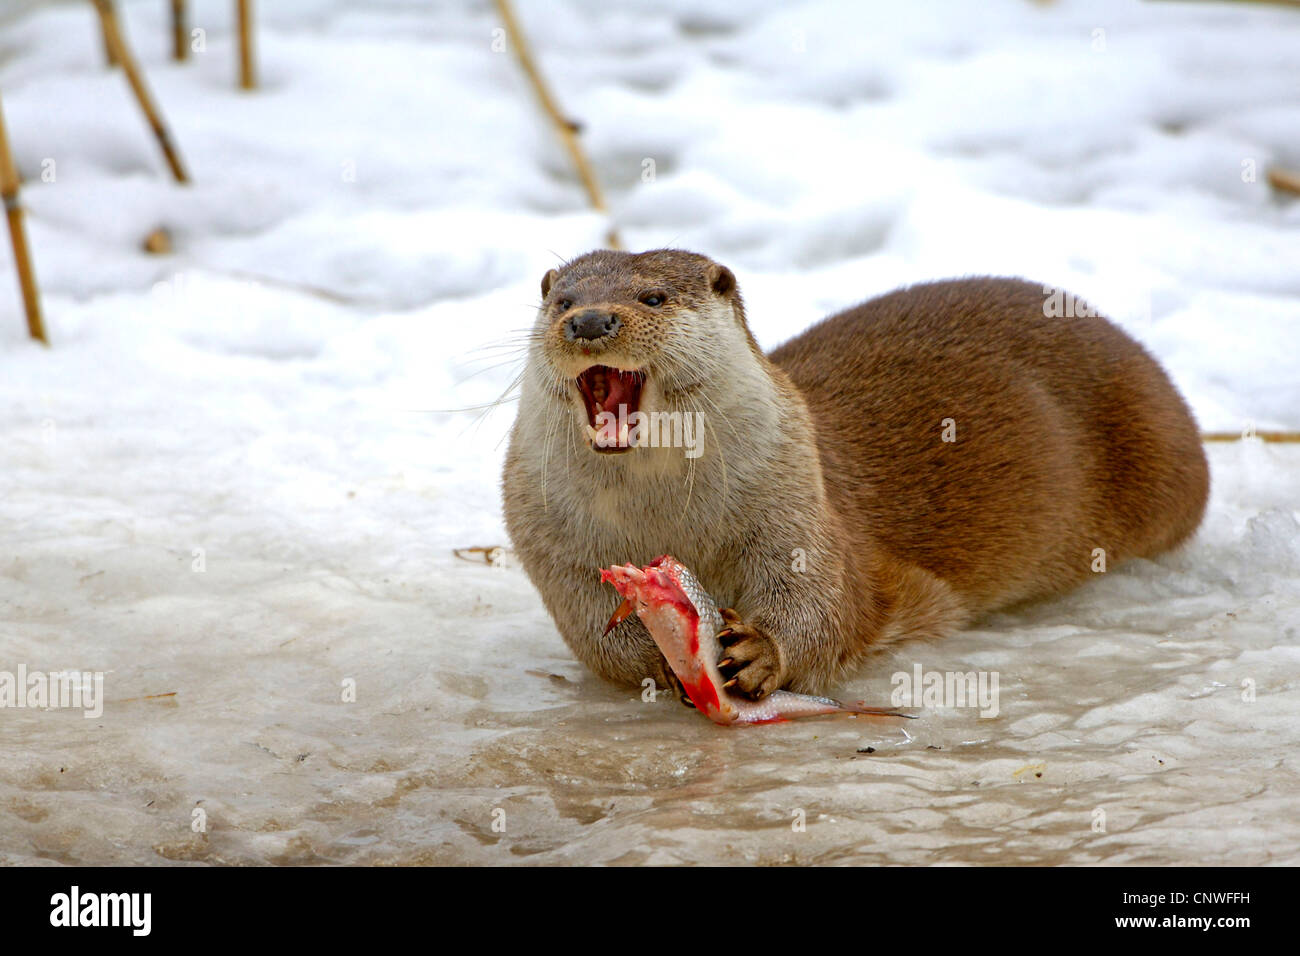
pixel 553 411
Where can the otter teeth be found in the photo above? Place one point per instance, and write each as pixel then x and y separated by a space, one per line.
pixel 594 435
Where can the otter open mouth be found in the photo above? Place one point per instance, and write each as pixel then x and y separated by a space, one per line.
pixel 611 396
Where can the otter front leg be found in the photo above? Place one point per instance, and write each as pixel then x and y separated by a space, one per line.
pixel 751 660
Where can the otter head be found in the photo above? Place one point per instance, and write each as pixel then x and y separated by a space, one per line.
pixel 639 332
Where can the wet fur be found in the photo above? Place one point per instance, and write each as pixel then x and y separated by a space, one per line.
pixel 1069 438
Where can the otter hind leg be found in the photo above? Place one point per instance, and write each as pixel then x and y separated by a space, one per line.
pixel 920 604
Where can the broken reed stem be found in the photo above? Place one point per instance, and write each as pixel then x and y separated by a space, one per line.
pixel 1263 436
pixel 565 128
pixel 180 35
pixel 18 235
pixel 131 700
pixel 247 76
pixel 113 35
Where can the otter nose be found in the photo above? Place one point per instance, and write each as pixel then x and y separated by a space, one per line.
pixel 591 324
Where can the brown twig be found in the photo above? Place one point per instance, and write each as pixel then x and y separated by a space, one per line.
pixel 113 35
pixel 1284 180
pixel 564 127
pixel 180 35
pixel 247 75
pixel 18 235
pixel 478 554
pixel 1287 437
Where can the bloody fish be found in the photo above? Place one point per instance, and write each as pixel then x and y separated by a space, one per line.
pixel 684 621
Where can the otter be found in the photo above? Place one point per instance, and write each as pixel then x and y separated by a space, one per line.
pixel 896 471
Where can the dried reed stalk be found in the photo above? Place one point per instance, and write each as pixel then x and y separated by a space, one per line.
pixel 113 35
pixel 110 55
pixel 18 235
pixel 564 127
pixel 247 74
pixel 180 35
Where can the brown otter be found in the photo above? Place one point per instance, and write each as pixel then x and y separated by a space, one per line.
pixel 896 470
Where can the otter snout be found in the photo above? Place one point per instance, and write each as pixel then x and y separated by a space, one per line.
pixel 592 324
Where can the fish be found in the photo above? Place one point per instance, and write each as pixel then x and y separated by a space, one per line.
pixel 684 622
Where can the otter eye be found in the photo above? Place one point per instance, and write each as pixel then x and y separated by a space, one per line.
pixel 653 299
pixel 564 305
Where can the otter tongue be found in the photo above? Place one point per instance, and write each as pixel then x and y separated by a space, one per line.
pixel 617 392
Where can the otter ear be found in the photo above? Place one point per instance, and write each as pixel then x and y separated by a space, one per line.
pixel 721 280
pixel 548 280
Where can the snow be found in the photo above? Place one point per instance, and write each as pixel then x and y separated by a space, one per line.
pixel 281 402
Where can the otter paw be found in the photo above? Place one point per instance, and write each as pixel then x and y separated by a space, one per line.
pixel 751 662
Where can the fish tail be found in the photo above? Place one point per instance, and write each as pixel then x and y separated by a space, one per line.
pixel 861 708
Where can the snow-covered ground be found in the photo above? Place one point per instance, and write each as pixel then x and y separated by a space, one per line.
pixel 358 254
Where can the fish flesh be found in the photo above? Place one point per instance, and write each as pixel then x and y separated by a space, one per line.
pixel 684 621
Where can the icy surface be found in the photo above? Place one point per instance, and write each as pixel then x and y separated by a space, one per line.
pixel 359 250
